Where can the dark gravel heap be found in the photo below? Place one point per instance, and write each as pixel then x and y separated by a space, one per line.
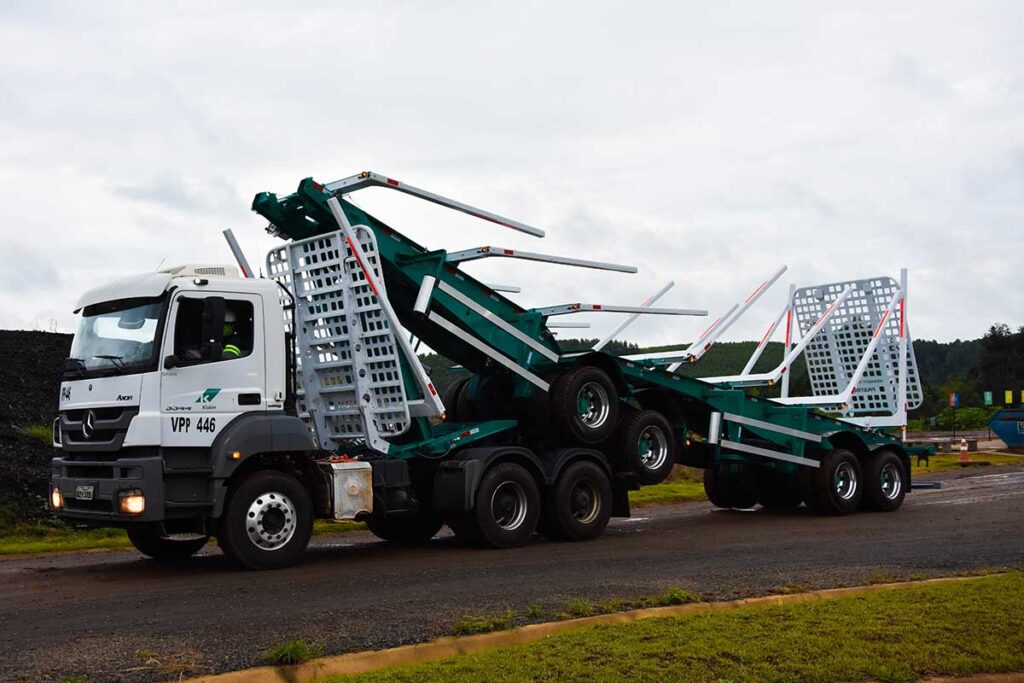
pixel 30 370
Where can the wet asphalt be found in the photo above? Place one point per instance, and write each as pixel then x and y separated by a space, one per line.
pixel 117 616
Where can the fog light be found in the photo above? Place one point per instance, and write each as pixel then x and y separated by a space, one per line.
pixel 132 502
pixel 56 499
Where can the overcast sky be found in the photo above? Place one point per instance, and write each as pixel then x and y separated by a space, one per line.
pixel 706 143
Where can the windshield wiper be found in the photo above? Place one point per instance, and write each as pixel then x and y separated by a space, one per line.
pixel 116 360
pixel 76 365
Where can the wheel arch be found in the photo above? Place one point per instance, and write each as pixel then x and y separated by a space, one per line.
pixel 273 441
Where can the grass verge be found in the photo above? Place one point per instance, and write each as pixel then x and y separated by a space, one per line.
pixel 291 652
pixel 951 461
pixel 28 540
pixel 892 635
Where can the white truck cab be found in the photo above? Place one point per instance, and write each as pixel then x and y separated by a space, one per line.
pixel 178 380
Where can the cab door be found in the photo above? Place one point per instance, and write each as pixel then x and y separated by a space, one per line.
pixel 202 389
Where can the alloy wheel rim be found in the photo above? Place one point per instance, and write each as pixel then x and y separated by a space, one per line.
pixel 509 505
pixel 270 521
pixel 891 481
pixel 592 405
pixel 652 447
pixel 845 481
pixel 585 501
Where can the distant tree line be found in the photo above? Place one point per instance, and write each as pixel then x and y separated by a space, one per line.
pixel 993 363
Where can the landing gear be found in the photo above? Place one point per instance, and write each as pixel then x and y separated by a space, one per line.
pixel 149 540
pixel 885 481
pixel 585 405
pixel 579 505
pixel 267 521
pixel 506 509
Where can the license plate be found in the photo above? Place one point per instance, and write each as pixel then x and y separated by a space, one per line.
pixel 84 492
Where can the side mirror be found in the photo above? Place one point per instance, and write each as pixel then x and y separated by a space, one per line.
pixel 213 328
pixel 170 362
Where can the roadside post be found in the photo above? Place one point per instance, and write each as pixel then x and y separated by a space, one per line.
pixel 954 401
pixel 988 413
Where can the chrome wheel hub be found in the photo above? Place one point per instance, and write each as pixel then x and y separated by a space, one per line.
pixel 509 505
pixel 845 481
pixel 270 521
pixel 585 502
pixel 892 481
pixel 593 405
pixel 652 448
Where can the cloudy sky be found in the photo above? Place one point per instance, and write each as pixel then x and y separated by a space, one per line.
pixel 706 143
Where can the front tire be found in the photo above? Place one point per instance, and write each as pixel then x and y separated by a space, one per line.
pixel 267 521
pixel 148 540
pixel 885 481
pixel 579 505
pixel 410 530
pixel 835 487
pixel 505 511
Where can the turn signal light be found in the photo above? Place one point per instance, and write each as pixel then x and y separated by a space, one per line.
pixel 132 502
pixel 56 499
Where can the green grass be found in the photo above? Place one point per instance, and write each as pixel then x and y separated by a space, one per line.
pixel 292 652
pixel 42 433
pixel 467 626
pixel 583 608
pixel 30 540
pixel 893 635
pixel 951 461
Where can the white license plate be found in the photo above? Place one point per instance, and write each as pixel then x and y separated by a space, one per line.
pixel 84 492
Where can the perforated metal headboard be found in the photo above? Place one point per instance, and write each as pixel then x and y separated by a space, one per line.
pixel 833 354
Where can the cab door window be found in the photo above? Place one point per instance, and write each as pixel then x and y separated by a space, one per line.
pixel 233 340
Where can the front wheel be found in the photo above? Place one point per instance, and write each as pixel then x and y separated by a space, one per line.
pixel 885 481
pixel 506 509
pixel 267 521
pixel 419 529
pixel 149 541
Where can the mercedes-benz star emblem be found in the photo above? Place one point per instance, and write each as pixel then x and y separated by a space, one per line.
pixel 88 426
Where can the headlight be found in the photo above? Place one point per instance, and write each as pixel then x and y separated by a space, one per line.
pixel 56 499
pixel 132 502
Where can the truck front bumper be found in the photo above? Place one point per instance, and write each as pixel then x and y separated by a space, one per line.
pixel 92 489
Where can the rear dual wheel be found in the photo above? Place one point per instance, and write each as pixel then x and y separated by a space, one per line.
pixel 836 486
pixel 585 405
pixel 505 512
pixel 646 442
pixel 731 485
pixel 885 481
pixel 579 505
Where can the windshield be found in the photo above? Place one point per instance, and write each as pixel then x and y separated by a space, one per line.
pixel 119 336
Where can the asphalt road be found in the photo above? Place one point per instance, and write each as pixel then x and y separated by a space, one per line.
pixel 115 616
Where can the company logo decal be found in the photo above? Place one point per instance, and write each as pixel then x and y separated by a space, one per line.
pixel 208 395
pixel 89 424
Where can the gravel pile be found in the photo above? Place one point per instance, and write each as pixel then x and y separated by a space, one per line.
pixel 30 370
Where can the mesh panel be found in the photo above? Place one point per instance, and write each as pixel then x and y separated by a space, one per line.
pixel 833 354
pixel 346 350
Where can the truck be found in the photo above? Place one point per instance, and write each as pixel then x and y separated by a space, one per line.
pixel 199 403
